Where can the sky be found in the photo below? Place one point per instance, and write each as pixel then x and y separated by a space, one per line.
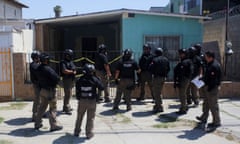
pixel 39 9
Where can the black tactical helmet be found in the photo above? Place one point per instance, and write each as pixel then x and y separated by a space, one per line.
pixel 44 58
pixel 198 48
pixel 102 48
pixel 184 51
pixel 192 51
pixel 35 54
pixel 159 51
pixel 89 69
pixel 146 46
pixel 68 52
pixel 127 54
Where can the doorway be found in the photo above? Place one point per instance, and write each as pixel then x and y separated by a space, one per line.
pixel 89 47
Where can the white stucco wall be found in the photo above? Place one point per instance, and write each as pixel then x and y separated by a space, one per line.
pixel 19 41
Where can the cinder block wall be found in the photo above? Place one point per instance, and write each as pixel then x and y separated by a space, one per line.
pixel 215 30
pixel 22 90
pixel 228 90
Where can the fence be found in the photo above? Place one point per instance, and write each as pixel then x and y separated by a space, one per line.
pixel 221 14
pixel 6 89
pixel 88 56
pixel 80 58
pixel 231 71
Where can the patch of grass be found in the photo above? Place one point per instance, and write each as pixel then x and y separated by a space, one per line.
pixel 1 120
pixel 5 142
pixel 123 119
pixel 165 125
pixel 168 121
pixel 14 106
pixel 190 123
pixel 229 137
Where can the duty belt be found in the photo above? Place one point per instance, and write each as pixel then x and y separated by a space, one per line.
pixel 88 98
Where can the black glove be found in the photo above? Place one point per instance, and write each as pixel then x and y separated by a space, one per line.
pixel 201 78
pixel 116 81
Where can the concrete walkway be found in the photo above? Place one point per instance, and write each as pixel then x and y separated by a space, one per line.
pixel 138 126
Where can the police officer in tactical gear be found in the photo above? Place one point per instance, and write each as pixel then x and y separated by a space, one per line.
pixel 68 72
pixel 198 48
pixel 199 53
pixel 192 91
pixel 103 71
pixel 159 68
pixel 34 79
pixel 182 75
pixel 125 79
pixel 48 80
pixel 86 92
pixel 145 75
pixel 212 79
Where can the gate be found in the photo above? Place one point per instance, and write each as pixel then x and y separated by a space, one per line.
pixel 6 88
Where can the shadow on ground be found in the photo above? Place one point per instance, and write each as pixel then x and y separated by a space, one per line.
pixel 193 134
pixel 19 121
pixel 142 114
pixel 168 117
pixel 68 139
pixel 27 132
pixel 111 112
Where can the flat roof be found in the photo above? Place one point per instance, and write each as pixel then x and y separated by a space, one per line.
pixel 109 15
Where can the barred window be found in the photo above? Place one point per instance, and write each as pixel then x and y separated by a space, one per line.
pixel 169 44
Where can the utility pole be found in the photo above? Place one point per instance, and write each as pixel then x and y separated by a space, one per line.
pixel 228 43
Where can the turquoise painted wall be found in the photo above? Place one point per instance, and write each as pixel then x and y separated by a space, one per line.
pixel 134 29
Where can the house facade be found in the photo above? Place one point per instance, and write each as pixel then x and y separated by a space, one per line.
pixel 119 30
pixel 122 29
pixel 11 14
pixel 15 41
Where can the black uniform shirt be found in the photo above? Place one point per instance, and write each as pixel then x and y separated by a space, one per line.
pixel 145 61
pixel 127 68
pixel 160 66
pixel 33 72
pixel 86 87
pixel 197 64
pixel 212 76
pixel 47 77
pixel 67 65
pixel 101 61
pixel 184 69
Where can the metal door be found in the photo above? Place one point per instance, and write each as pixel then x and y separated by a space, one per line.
pixel 6 90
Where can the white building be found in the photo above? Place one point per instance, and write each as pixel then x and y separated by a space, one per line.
pixel 14 32
pixel 15 37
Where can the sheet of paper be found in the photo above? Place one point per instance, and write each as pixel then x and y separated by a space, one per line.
pixel 198 83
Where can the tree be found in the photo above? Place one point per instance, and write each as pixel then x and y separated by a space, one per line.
pixel 57 10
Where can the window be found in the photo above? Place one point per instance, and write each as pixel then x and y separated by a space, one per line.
pixel 191 4
pixel 170 45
